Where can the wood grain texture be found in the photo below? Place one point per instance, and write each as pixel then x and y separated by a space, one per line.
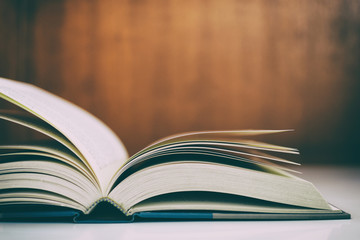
pixel 154 68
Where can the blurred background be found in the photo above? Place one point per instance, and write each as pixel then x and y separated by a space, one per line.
pixel 149 69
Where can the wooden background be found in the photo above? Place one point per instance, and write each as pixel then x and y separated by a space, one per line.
pixel 153 68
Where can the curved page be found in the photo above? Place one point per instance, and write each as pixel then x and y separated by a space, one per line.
pixel 101 148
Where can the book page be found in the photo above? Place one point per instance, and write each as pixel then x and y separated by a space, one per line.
pixel 48 147
pixel 225 143
pixel 213 201
pixel 24 155
pixel 43 177
pixel 101 148
pixel 235 136
pixel 189 176
pixel 33 122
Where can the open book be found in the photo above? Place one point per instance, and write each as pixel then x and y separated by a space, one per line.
pixel 82 172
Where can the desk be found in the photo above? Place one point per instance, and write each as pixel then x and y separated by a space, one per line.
pixel 339 185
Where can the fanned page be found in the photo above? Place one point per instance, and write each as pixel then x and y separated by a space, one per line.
pixel 236 137
pixel 98 145
pixel 223 144
pixel 189 171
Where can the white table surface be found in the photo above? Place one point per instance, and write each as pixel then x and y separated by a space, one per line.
pixel 339 185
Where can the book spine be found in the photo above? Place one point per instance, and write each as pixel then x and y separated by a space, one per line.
pixel 109 200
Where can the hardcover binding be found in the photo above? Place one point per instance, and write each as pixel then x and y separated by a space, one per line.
pixel 108 213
